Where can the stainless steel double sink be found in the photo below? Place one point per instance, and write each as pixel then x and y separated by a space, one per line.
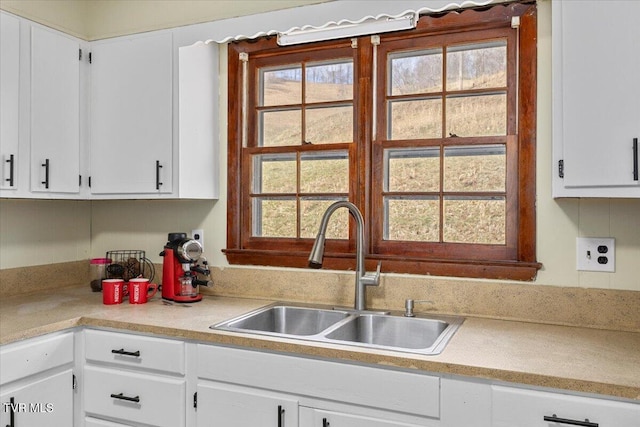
pixel 358 328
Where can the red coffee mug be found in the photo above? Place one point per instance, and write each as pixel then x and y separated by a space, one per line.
pixel 139 290
pixel 112 291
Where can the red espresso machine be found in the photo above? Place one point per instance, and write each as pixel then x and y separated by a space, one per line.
pixel 184 269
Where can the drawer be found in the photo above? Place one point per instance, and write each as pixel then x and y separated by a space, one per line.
pixel 514 407
pixel 140 398
pixel 135 351
pixel 385 389
pixel 29 357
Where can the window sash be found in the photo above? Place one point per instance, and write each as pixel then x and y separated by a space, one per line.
pixel 514 260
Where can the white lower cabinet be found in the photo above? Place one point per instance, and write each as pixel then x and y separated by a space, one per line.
pixel 47 401
pixel 37 382
pixel 514 407
pixel 244 388
pixel 232 406
pixel 133 380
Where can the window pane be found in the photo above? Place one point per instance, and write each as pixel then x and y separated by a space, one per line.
pixel 281 86
pixel 413 219
pixel 311 211
pixel 329 125
pixel 416 72
pixel 329 82
pixel 274 173
pixel 415 119
pixel 324 172
pixel 483 115
pixel 274 217
pixel 474 220
pixel 477 66
pixel 280 128
pixel 475 168
pixel 412 169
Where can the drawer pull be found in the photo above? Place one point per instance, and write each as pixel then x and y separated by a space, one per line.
pixel 158 167
pixel 11 166
pixel 45 165
pixel 280 416
pixel 121 396
pixel 554 418
pixel 126 353
pixel 12 420
pixel 635 159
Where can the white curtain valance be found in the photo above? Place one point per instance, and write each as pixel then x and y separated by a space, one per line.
pixel 331 13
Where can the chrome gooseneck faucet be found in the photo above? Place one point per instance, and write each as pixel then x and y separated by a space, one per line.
pixel 363 278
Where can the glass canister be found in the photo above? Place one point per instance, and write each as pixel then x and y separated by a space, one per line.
pixel 97 272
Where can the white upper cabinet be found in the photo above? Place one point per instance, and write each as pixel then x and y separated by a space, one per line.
pixel 596 98
pixel 197 105
pixel 131 115
pixel 55 112
pixel 9 99
pixel 139 121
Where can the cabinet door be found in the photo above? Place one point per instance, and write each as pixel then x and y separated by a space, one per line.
pixel 596 93
pixel 528 408
pixel 230 406
pixel 55 112
pixel 310 417
pixel 9 99
pixel 131 115
pixel 46 402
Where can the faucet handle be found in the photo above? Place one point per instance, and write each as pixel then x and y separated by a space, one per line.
pixel 409 304
pixel 372 278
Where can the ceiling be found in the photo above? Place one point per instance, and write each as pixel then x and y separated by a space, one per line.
pixel 97 19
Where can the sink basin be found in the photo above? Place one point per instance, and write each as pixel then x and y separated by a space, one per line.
pixel 356 328
pixel 287 320
pixel 399 333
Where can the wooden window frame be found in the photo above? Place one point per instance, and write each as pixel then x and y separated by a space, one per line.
pixel 514 261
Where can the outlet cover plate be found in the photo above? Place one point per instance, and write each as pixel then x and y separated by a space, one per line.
pixel 596 254
pixel 198 235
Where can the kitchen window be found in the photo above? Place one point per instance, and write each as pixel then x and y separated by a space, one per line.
pixel 430 132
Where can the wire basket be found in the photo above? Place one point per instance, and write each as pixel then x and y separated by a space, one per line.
pixel 128 264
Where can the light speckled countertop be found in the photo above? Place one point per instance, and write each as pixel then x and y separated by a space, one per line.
pixel 571 358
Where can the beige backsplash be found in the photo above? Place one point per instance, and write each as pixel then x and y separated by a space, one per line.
pixel 587 307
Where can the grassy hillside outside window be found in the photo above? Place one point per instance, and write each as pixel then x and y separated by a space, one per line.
pixel 430 132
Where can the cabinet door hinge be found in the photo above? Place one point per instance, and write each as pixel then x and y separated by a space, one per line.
pixel 89 57
pixel 74 382
pixel 79 180
pixel 79 54
pixel 195 399
pixel 561 168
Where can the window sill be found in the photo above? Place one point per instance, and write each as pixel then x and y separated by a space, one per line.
pixel 499 270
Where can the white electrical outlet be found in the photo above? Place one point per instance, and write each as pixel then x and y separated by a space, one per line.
pixel 596 254
pixel 198 235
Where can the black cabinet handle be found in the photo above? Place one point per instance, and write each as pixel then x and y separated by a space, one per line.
pixel 45 165
pixel 280 416
pixel 11 163
pixel 158 167
pixel 554 418
pixel 635 159
pixel 121 396
pixel 325 423
pixel 12 421
pixel 126 353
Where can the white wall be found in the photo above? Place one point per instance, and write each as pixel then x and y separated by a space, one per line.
pixel 144 224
